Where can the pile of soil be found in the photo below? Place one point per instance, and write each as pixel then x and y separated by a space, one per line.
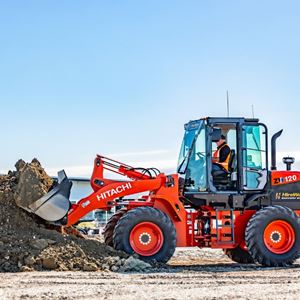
pixel 27 243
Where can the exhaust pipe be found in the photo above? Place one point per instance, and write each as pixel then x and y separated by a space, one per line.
pixel 273 148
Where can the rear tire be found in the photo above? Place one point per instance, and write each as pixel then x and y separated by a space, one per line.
pixel 108 231
pixel 273 236
pixel 239 255
pixel 147 232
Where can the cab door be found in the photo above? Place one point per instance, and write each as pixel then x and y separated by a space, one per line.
pixel 254 157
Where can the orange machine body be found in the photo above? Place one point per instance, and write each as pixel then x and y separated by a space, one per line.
pixel 163 194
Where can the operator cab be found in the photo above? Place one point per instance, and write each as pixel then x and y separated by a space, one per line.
pixel 246 165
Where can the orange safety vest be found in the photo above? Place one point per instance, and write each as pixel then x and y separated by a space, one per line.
pixel 216 155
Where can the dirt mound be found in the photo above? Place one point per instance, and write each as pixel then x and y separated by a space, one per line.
pixel 33 182
pixel 27 243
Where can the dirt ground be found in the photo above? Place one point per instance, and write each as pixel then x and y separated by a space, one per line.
pixel 191 274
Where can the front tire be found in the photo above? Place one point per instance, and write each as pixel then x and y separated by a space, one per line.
pixel 108 231
pixel 147 232
pixel 273 236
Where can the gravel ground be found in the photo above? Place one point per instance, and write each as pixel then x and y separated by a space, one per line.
pixel 192 274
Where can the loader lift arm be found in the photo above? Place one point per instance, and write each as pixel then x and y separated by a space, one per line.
pixel 107 190
pixel 102 163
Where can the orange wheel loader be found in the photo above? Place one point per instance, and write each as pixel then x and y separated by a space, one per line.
pixel 247 209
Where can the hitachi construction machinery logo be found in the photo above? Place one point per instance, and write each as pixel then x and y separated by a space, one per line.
pixel 119 189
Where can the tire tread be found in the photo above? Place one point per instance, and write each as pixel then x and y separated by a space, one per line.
pixel 110 226
pixel 251 232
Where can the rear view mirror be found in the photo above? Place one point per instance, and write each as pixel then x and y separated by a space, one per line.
pixel 216 134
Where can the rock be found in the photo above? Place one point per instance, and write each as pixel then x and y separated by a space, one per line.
pixel 29 261
pixel 119 263
pixel 62 267
pixel 36 162
pixel 20 164
pixel 33 183
pixel 21 256
pixel 6 266
pixel 70 266
pixel 134 265
pixel 114 268
pixel 111 260
pixel 39 244
pixel 90 267
pixel 79 253
pixel 26 269
pixel 51 242
pixel 105 267
pixel 49 263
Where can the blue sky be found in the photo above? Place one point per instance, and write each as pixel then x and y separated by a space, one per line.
pixel 122 77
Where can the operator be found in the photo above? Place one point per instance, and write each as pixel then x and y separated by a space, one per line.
pixel 221 156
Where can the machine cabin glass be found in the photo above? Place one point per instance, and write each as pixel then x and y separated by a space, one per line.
pixel 225 176
pixel 192 158
pixel 254 157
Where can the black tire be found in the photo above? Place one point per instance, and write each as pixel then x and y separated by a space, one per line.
pixel 255 232
pixel 146 214
pixel 108 230
pixel 239 255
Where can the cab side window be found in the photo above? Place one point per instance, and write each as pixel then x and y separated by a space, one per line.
pixel 228 180
pixel 254 156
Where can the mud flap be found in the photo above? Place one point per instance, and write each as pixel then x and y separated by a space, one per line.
pixel 54 205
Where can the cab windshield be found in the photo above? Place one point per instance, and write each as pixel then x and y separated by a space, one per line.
pixel 192 158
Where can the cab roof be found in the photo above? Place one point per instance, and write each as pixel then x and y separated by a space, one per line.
pixel 230 120
pixel 193 124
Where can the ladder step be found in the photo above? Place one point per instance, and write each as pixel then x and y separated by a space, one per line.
pixel 225 216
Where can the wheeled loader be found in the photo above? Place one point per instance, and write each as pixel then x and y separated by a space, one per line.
pixel 250 211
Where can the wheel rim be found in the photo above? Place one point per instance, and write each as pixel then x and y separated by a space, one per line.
pixel 279 237
pixel 146 239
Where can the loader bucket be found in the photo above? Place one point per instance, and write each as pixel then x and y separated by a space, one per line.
pixel 54 205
